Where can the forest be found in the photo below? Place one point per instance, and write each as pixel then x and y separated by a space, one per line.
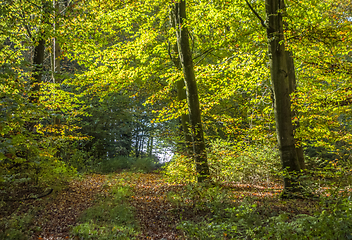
pixel 131 119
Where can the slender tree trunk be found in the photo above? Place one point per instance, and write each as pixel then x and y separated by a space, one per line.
pixel 141 143
pixel 281 88
pixel 200 156
pixel 56 59
pixel 150 145
pixel 137 142
pixel 38 60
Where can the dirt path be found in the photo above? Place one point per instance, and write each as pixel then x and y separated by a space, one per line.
pixel 155 215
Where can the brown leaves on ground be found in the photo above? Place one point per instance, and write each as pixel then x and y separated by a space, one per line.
pixel 153 199
pixel 154 212
pixel 63 208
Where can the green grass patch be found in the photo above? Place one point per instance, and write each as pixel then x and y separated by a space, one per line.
pixel 110 218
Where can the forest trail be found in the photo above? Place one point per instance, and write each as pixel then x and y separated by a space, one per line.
pixel 156 212
pixel 155 215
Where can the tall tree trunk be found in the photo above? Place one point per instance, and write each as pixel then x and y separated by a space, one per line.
pixel 137 143
pixel 281 88
pixel 150 145
pixel 38 60
pixel 200 156
pixel 181 93
pixel 293 87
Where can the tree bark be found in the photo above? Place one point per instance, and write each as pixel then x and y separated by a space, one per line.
pixel 293 87
pixel 181 93
pixel 38 60
pixel 280 82
pixel 200 156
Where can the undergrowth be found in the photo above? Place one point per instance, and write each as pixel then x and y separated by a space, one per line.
pixel 18 226
pixel 229 162
pixel 143 165
pixel 253 218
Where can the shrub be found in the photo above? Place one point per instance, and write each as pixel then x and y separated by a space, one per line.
pixel 146 164
pixel 230 162
pixel 243 222
pixel 17 227
pixel 181 168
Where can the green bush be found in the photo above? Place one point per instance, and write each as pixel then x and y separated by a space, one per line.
pixel 144 165
pixel 114 164
pixel 17 227
pixel 181 168
pixel 328 225
pixel 230 162
pixel 232 223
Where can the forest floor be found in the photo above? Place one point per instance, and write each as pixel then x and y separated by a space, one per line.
pixel 158 206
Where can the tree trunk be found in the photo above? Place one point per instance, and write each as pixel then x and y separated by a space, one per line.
pixel 137 142
pixel 181 93
pixel 200 156
pixel 38 60
pixel 150 145
pixel 293 87
pixel 281 88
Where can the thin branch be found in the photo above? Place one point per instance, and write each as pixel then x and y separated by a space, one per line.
pixel 257 15
pixel 168 49
pixel 201 59
pixel 33 4
pixel 29 32
pixel 29 198
pixel 190 36
pixel 205 52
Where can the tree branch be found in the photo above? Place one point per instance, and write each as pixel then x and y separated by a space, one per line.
pixel 30 198
pixel 257 15
pixel 205 52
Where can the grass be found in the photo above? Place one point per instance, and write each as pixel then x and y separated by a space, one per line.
pixel 110 218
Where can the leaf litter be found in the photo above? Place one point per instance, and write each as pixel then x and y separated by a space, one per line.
pixel 155 212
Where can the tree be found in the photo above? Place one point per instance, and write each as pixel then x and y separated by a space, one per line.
pixel 283 84
pixel 281 88
pixel 199 152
